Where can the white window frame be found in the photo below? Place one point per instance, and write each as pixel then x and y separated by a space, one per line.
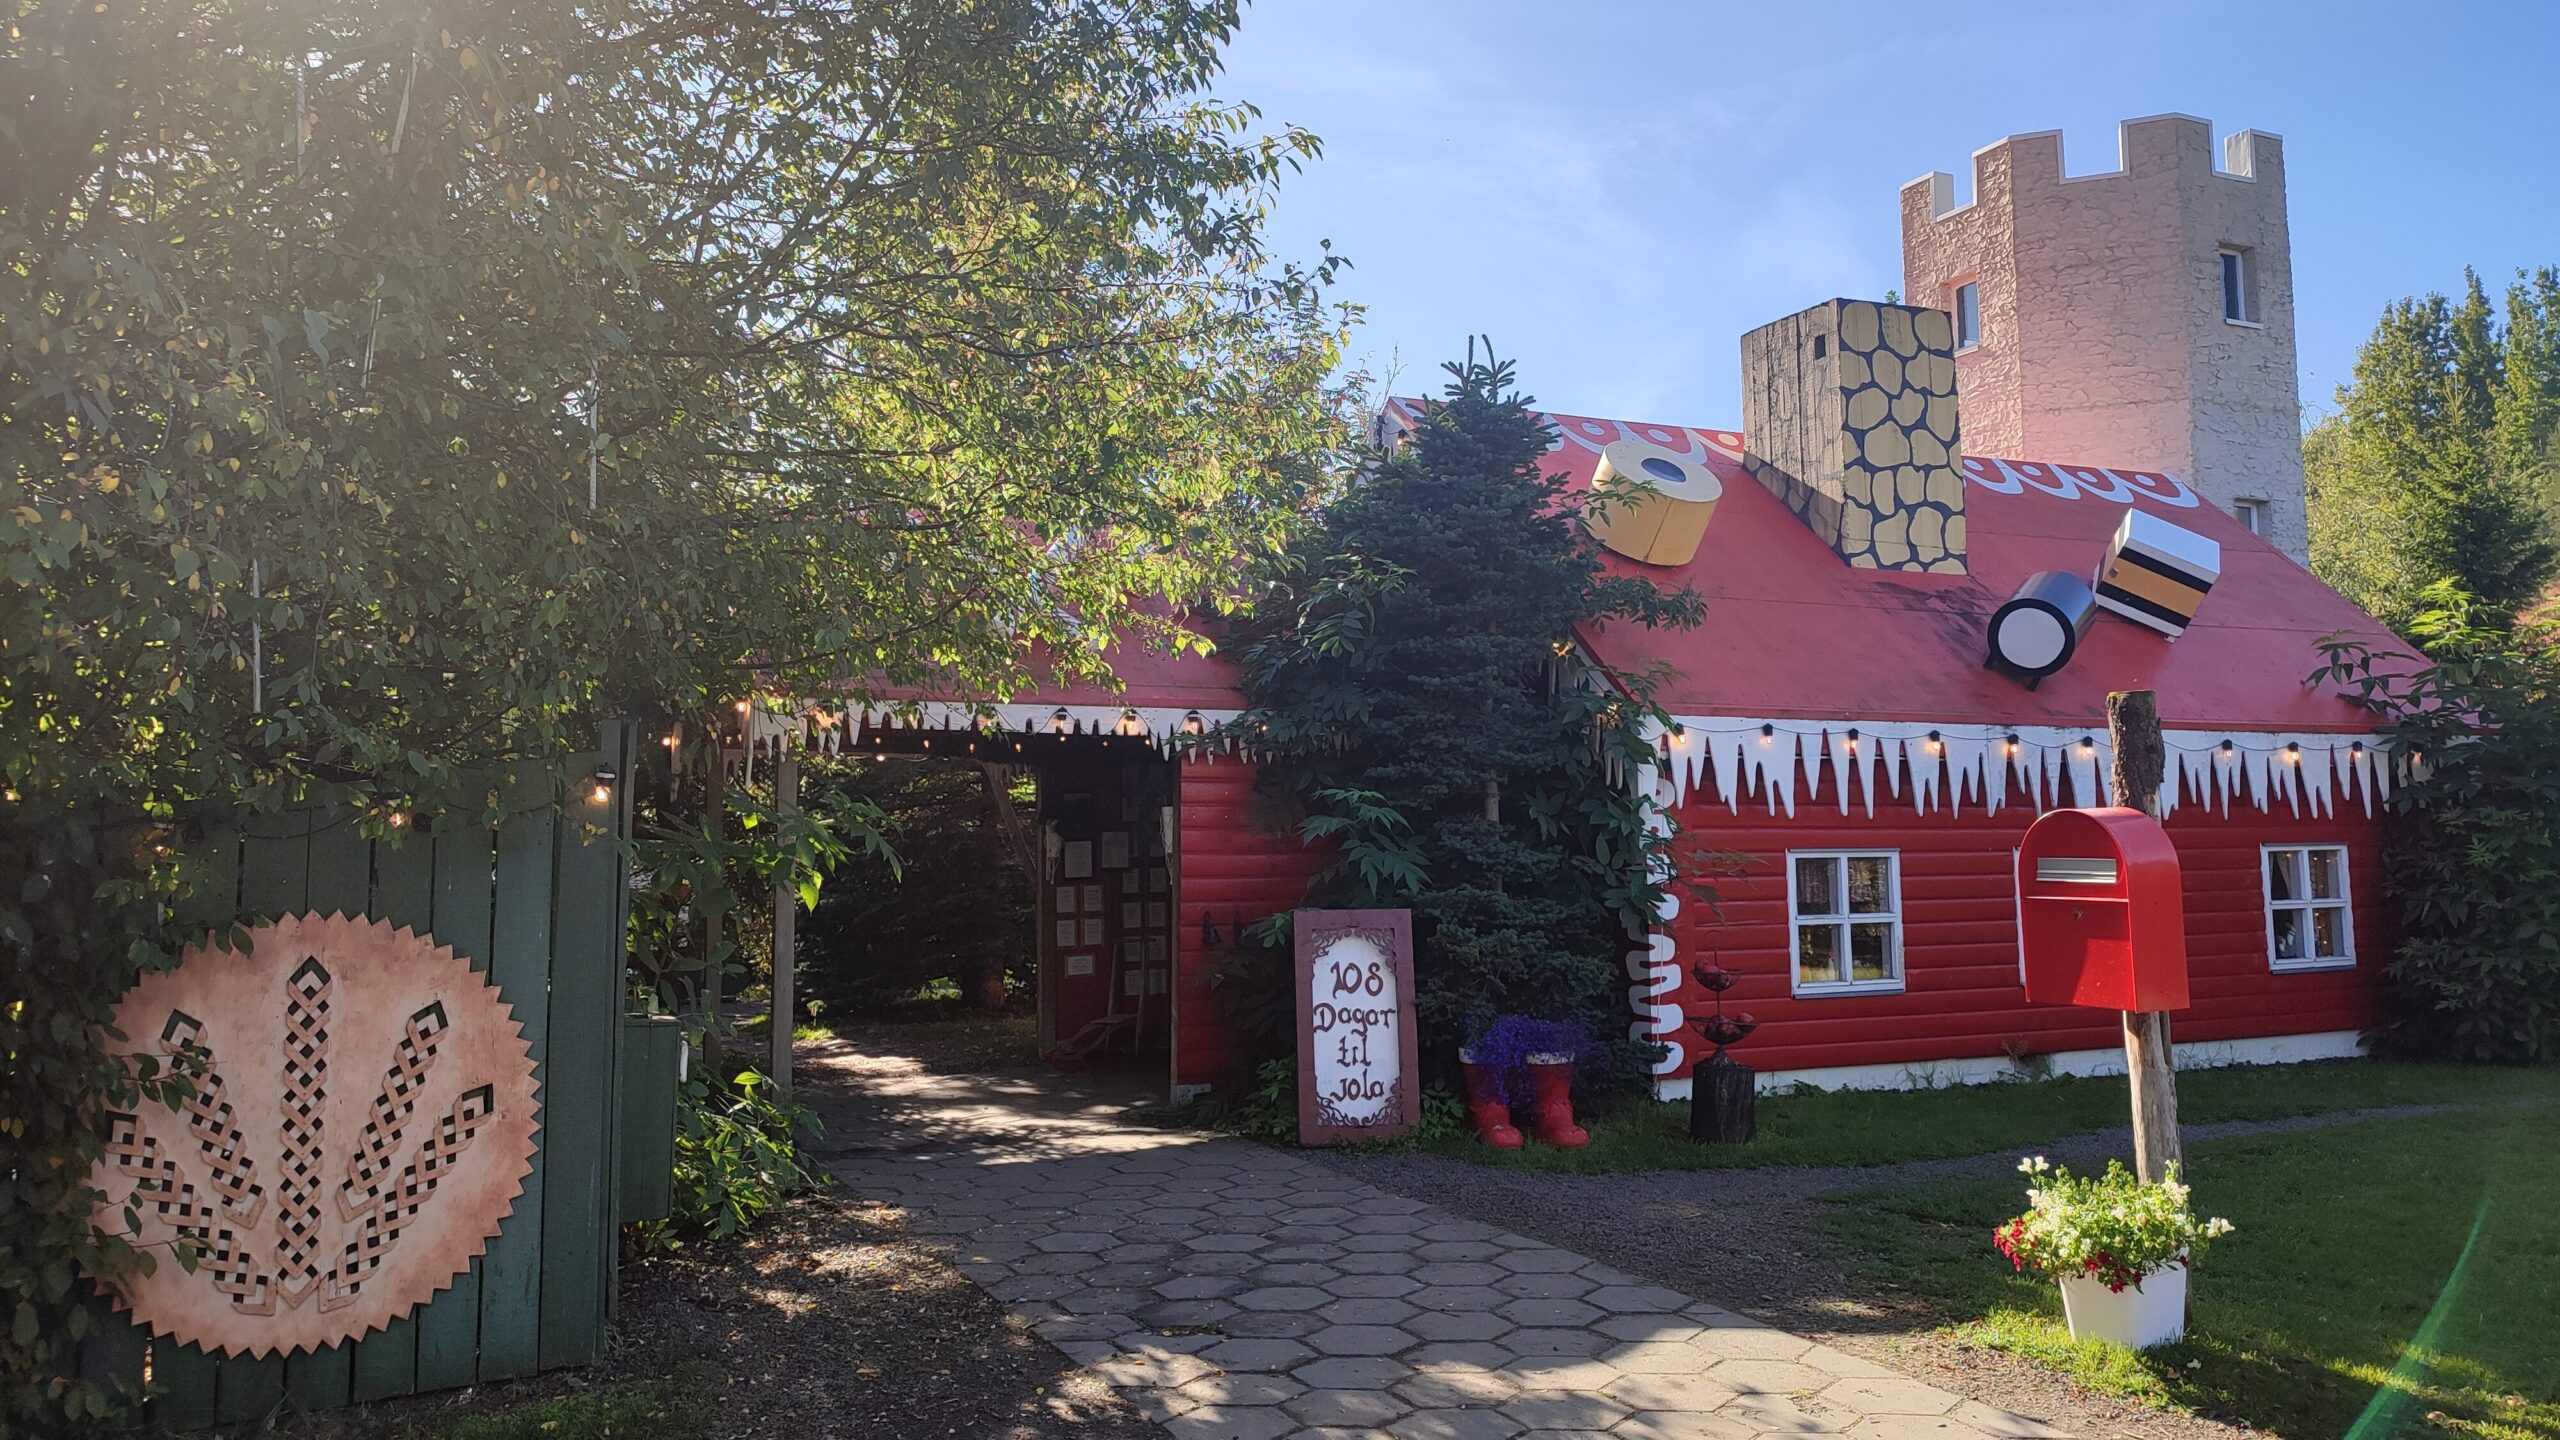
pixel 2254 512
pixel 2246 261
pixel 1955 305
pixel 2344 905
pixel 1842 919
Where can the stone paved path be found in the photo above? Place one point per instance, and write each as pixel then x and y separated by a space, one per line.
pixel 1239 1292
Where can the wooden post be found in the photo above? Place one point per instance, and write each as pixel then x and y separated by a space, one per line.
pixel 716 805
pixel 786 910
pixel 2141 761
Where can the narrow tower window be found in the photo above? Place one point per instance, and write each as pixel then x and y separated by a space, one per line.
pixel 1968 308
pixel 2239 287
pixel 2252 513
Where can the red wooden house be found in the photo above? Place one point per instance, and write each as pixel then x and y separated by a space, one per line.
pixel 1847 751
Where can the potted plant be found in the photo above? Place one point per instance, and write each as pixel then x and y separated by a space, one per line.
pixel 1520 1062
pixel 2118 1248
pixel 1724 1097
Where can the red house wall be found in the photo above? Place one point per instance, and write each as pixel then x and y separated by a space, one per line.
pixel 1961 994
pixel 1227 867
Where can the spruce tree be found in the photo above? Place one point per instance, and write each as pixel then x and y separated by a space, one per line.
pixel 2435 467
pixel 1421 705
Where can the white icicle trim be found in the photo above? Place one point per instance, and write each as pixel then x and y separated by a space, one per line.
pixel 829 731
pixel 2311 773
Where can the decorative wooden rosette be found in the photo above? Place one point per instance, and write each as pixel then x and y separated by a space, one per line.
pixel 363 1125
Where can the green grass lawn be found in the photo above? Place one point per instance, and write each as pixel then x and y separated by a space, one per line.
pixel 2347 1238
pixel 677 1403
pixel 1883 1127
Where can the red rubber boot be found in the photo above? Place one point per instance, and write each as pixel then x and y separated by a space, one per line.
pixel 1484 1106
pixel 1551 1103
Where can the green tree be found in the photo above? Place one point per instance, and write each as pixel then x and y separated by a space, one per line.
pixel 387 389
pixel 2436 466
pixel 1422 705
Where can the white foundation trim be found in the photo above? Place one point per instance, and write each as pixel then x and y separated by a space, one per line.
pixel 1983 1070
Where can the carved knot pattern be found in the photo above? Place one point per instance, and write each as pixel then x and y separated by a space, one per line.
pixel 373 1207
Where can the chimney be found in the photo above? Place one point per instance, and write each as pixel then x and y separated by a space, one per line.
pixel 1849 416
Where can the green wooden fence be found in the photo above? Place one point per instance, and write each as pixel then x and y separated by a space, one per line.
pixel 539 902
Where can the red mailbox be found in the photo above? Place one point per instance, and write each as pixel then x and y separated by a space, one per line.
pixel 2100 912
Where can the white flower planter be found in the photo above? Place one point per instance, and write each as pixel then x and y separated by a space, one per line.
pixel 2151 1313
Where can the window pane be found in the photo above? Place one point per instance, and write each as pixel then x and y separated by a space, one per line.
pixel 1818 954
pixel 2232 289
pixel 1968 315
pixel 2329 932
pixel 1870 884
pixel 2327 883
pixel 1871 952
pixel 1818 886
pixel 2288 934
pixel 2280 884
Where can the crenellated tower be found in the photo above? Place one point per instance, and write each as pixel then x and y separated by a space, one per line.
pixel 2141 317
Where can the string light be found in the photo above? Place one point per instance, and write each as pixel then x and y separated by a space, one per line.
pixel 1679 736
pixel 397 819
pixel 2226 749
pixel 1058 722
pixel 1935 744
pixel 1129 722
pixel 2010 745
pixel 2356 751
pixel 1853 742
pixel 2293 752
pixel 1768 733
pixel 605 776
pixel 2088 746
pixel 1193 724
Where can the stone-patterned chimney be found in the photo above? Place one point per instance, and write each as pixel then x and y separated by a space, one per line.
pixel 1849 414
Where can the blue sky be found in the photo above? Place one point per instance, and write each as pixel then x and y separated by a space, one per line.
pixel 1616 191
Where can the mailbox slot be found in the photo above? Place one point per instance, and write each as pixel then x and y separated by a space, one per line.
pixel 2075 870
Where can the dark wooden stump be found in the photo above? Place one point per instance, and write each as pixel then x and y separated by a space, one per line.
pixel 1724 1102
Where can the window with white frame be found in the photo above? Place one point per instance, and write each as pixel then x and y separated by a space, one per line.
pixel 1968 308
pixel 1844 908
pixel 2310 922
pixel 2239 287
pixel 2252 513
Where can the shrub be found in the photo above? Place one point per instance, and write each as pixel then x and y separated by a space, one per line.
pixel 2472 844
pixel 2114 1229
pixel 737 1156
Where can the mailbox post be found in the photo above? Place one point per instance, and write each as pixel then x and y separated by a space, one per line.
pixel 2102 920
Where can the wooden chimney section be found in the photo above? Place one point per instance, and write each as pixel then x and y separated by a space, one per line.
pixel 1849 409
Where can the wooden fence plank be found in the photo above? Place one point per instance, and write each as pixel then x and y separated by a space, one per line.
pixel 520 964
pixel 183 1377
pixel 275 879
pixel 449 1328
pixel 341 884
pixel 404 894
pixel 586 1026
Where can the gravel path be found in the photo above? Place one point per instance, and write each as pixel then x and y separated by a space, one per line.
pixel 1746 1238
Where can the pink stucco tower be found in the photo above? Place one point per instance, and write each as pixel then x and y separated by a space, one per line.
pixel 2141 317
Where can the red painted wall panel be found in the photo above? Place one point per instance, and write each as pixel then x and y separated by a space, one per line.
pixel 1228 867
pixel 1961 995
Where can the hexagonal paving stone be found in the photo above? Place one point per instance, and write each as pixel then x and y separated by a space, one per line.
pixel 1347 1407
pixel 1241 1389
pixel 1768 1377
pixel 1249 1353
pixel 1460 1272
pixel 1456 1425
pixel 1361 1340
pixel 1231 1241
pixel 1351 1372
pixel 1626 1298
pixel 1284 1254
pixel 1565 1410
pixel 1457 1325
pixel 1367 1311
pixel 1645 1357
pixel 1756 1342
pixel 1302 1272
pixel 1841 1362
pixel 1456 1389
pixel 1282 1297
pixel 1090 1241
pixel 2002 1424
pixel 1274 1324
pixel 1178 1314
pixel 1668 1392
pixel 1558 1372
pixel 1200 1287
pixel 1654 1326
pixel 1682 1425
pixel 1156 1369
pixel 1372 1287
pixel 1889 1395
pixel 1459 1354
pixel 1557 1340
pixel 1550 1312
pixel 1105 1301
pixel 1232 1422
pixel 1540 1261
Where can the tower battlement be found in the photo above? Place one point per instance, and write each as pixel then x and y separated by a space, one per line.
pixel 2140 316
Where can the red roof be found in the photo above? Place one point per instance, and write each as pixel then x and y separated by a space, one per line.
pixel 1792 631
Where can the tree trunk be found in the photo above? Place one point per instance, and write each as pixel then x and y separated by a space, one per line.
pixel 2141 762
pixel 786 915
